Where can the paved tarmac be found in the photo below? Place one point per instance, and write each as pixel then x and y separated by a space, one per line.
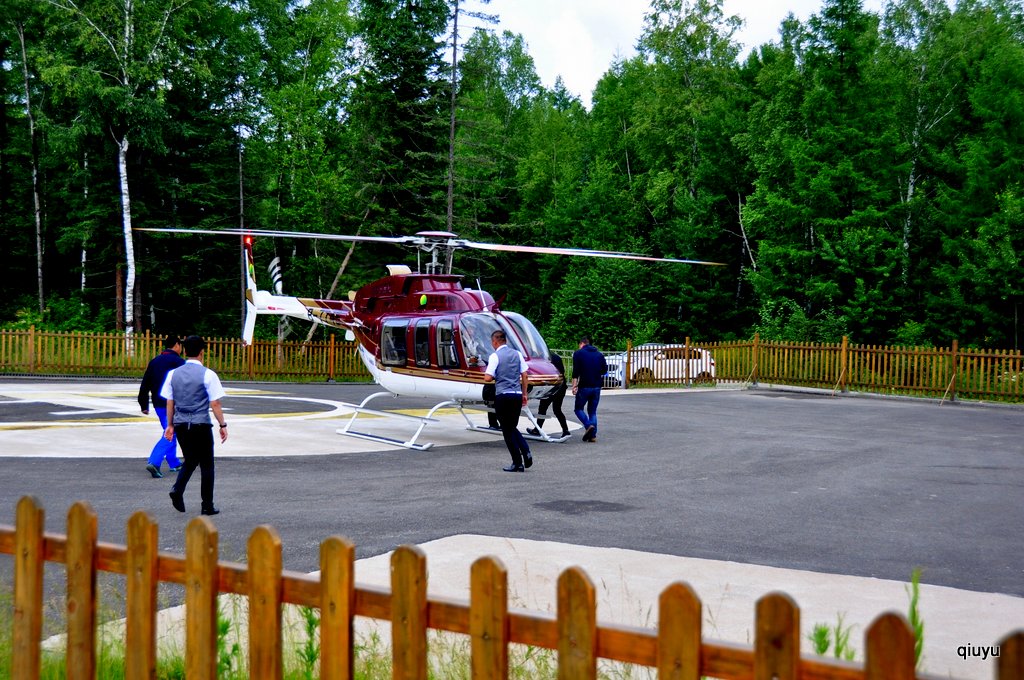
pixel 855 486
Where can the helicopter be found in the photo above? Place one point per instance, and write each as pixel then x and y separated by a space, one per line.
pixel 418 333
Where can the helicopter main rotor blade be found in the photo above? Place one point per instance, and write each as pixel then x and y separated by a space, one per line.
pixel 431 240
pixel 578 252
pixel 401 240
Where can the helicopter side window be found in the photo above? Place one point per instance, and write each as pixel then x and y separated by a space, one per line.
pixel 393 349
pixel 422 342
pixel 446 357
pixel 476 330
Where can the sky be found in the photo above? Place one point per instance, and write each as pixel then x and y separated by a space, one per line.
pixel 579 39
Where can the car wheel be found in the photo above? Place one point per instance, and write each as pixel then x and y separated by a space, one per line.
pixel 644 375
pixel 704 378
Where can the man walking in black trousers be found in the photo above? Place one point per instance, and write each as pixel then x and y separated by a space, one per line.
pixel 553 399
pixel 191 391
pixel 506 368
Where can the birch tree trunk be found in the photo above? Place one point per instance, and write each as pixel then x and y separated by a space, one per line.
pixel 130 65
pixel 129 244
pixel 37 204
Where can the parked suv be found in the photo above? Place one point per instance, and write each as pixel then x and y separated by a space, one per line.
pixel 661 363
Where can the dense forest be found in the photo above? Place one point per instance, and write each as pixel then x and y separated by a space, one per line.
pixel 863 175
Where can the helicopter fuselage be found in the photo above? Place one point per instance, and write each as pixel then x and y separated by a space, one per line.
pixel 424 334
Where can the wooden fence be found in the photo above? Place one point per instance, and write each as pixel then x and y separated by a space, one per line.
pixel 676 649
pixel 112 354
pixel 947 373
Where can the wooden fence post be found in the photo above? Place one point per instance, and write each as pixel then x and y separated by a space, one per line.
pixel 889 649
pixel 28 589
pixel 776 638
pixel 577 626
pixel 201 600
pixel 627 370
pixel 32 348
pixel 956 369
pixel 337 609
pixel 757 354
pixel 265 648
pixel 1011 657
pixel 81 597
pixel 488 619
pixel 679 633
pixel 409 613
pixel 141 581
pixel 844 365
pixel 686 360
pixel 332 351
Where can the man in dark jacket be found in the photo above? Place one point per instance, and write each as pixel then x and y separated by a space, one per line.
pixel 588 369
pixel 152 381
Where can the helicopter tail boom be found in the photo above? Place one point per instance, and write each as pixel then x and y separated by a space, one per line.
pixel 326 312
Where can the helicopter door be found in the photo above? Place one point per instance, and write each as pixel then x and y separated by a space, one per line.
pixel 421 342
pixel 446 356
pixel 476 330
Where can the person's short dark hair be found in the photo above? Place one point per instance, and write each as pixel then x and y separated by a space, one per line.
pixel 193 346
pixel 499 336
pixel 170 341
pixel 585 340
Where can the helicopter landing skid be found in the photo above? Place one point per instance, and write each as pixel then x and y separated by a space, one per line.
pixel 545 437
pixel 542 437
pixel 410 443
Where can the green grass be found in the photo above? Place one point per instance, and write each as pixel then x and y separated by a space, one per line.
pixel 449 655
pixel 914 614
pixel 836 638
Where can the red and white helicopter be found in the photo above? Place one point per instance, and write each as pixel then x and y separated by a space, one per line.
pixel 418 334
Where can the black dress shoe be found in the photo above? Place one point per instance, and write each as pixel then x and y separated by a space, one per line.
pixel 532 431
pixel 177 501
pixel 527 459
pixel 211 511
pixel 589 434
pixel 514 468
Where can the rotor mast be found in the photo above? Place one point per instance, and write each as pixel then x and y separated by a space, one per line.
pixel 442 246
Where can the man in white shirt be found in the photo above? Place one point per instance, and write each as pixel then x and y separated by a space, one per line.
pixel 506 368
pixel 191 391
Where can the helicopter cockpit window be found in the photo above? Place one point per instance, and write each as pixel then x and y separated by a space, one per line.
pixel 422 342
pixel 476 332
pixel 393 349
pixel 446 356
pixel 535 345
